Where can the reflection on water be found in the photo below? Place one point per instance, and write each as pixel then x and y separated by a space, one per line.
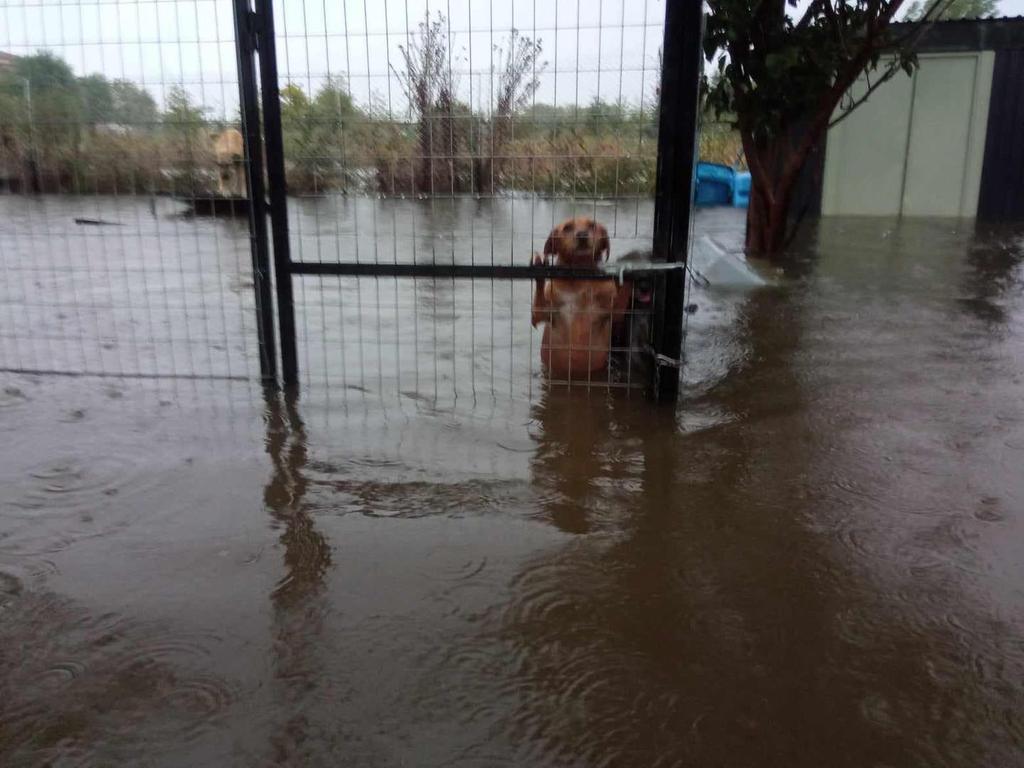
pixel 298 605
pixel 307 555
pixel 814 560
pixel 992 277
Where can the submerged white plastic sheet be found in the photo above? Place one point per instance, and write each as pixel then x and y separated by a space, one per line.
pixel 720 268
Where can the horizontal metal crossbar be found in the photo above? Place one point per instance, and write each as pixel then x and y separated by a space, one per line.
pixel 471 271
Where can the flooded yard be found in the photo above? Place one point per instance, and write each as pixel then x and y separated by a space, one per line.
pixel 816 559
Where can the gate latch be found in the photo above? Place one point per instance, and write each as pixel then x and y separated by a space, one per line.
pixel 665 361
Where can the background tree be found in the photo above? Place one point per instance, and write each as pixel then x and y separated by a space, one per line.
pixel 459 151
pixel 323 136
pixel 297 133
pixel 184 124
pixel 133 106
pixel 428 83
pixel 97 100
pixel 182 114
pixel 953 9
pixel 43 108
pixel 517 81
pixel 124 155
pixel 785 80
pixel 42 113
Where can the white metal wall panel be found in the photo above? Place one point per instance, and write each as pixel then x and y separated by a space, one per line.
pixel 916 147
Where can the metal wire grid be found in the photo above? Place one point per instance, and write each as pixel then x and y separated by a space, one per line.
pixel 142 298
pixel 101 272
pixel 376 178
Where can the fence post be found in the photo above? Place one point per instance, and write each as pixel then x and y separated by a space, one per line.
pixel 278 191
pixel 245 48
pixel 677 142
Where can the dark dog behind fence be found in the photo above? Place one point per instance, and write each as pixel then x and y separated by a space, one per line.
pixel 426 150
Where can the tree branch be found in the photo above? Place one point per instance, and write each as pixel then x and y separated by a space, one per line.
pixel 837 26
pixel 893 68
pixel 831 98
pixel 813 9
pixel 919 27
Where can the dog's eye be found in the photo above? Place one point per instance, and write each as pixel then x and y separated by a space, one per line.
pixel 566 227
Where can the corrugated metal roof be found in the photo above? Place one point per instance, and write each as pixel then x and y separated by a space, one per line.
pixel 969 34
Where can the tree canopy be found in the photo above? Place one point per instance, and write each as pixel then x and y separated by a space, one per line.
pixel 132 105
pixel 49 85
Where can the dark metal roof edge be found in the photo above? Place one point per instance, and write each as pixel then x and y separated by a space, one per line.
pixel 969 35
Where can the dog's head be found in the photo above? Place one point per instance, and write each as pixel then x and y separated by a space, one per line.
pixel 638 289
pixel 578 242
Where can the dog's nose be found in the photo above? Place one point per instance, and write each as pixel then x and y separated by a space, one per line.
pixel 583 235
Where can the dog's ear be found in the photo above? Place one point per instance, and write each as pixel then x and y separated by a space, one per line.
pixel 551 244
pixel 603 245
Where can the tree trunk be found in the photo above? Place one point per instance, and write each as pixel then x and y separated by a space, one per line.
pixel 424 163
pixel 774 172
pixel 768 220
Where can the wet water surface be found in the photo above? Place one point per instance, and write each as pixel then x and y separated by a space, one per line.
pixel 816 559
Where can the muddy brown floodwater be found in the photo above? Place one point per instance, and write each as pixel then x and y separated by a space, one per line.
pixel 816 560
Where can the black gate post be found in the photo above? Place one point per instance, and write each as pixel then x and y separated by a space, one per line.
pixel 245 47
pixel 677 143
pixel 278 191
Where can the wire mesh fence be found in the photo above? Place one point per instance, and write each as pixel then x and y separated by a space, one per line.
pixel 116 123
pixel 415 133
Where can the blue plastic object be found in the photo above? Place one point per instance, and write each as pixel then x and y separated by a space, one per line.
pixel 718 184
pixel 714 184
pixel 741 190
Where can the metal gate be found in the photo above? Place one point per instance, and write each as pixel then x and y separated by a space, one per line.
pixel 296 274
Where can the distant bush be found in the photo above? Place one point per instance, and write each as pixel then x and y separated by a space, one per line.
pixel 719 143
pixel 64 133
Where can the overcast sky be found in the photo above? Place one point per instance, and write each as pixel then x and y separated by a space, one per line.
pixel 591 47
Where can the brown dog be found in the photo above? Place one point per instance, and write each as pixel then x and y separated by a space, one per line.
pixel 229 152
pixel 577 314
pixel 577 242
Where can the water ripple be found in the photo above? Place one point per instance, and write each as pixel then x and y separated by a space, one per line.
pixel 66 499
pixel 11 397
pixel 72 483
pixel 88 681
